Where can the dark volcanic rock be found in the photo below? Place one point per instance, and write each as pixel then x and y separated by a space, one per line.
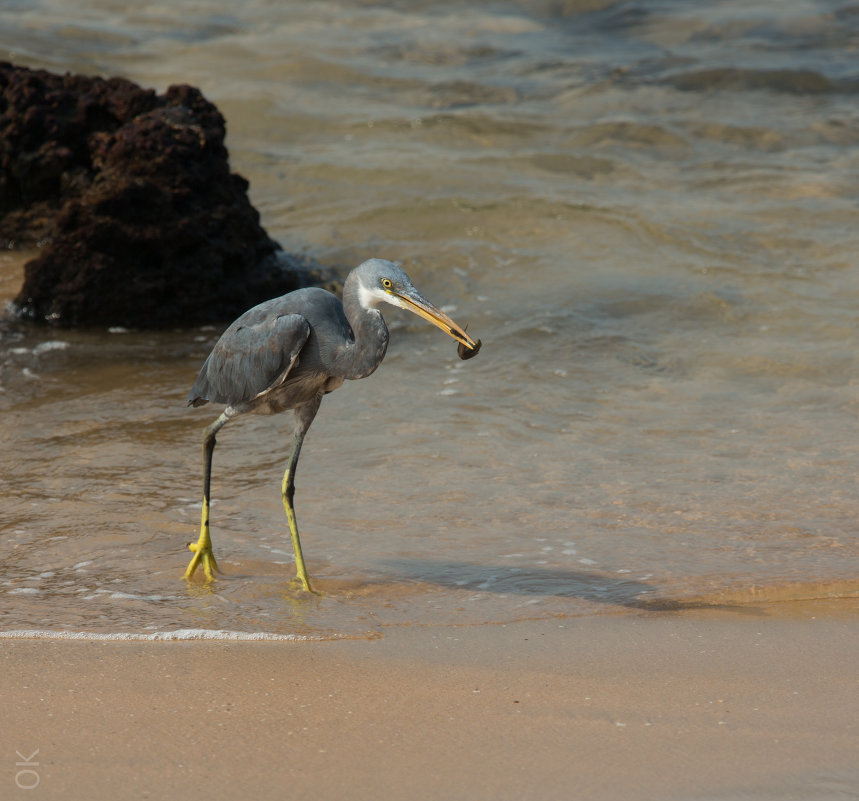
pixel 144 223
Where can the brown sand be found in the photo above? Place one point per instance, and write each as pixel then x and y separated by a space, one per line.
pixel 759 704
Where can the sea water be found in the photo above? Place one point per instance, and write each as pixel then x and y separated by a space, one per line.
pixel 647 211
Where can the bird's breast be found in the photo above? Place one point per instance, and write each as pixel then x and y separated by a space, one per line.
pixel 295 391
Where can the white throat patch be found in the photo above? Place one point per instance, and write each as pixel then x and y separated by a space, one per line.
pixel 371 297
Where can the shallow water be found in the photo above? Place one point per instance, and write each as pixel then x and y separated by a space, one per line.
pixel 646 211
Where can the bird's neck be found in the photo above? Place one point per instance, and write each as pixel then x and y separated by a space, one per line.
pixel 370 333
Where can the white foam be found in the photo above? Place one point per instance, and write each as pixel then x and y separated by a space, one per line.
pixel 44 347
pixel 130 596
pixel 177 634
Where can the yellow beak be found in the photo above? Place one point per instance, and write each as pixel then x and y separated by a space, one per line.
pixel 417 303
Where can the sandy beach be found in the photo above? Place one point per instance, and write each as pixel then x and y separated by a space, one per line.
pixel 719 704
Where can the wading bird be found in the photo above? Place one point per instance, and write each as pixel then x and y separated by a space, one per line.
pixel 287 353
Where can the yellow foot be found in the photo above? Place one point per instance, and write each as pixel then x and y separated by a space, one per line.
pixel 202 554
pixel 303 583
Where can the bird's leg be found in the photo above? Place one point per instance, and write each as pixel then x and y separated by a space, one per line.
pixel 303 418
pixel 203 546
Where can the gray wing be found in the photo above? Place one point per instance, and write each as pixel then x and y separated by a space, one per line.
pixel 249 358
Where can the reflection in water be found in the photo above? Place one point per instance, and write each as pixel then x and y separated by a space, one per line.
pixel 531 581
pixel 649 218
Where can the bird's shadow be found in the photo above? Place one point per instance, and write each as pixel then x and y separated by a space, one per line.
pixel 538 581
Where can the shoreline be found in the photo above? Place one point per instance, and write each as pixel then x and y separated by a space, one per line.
pixel 759 702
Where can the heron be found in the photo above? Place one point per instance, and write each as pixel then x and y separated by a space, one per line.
pixel 286 353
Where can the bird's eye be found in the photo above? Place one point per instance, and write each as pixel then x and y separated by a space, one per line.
pixel 387 283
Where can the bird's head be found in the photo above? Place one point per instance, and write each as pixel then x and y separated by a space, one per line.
pixel 381 281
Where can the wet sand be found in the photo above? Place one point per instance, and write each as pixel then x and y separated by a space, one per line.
pixel 744 703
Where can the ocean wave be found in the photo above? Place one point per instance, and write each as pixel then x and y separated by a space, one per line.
pixel 787 81
pixel 162 636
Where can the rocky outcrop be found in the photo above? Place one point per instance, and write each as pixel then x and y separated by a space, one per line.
pixel 130 197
